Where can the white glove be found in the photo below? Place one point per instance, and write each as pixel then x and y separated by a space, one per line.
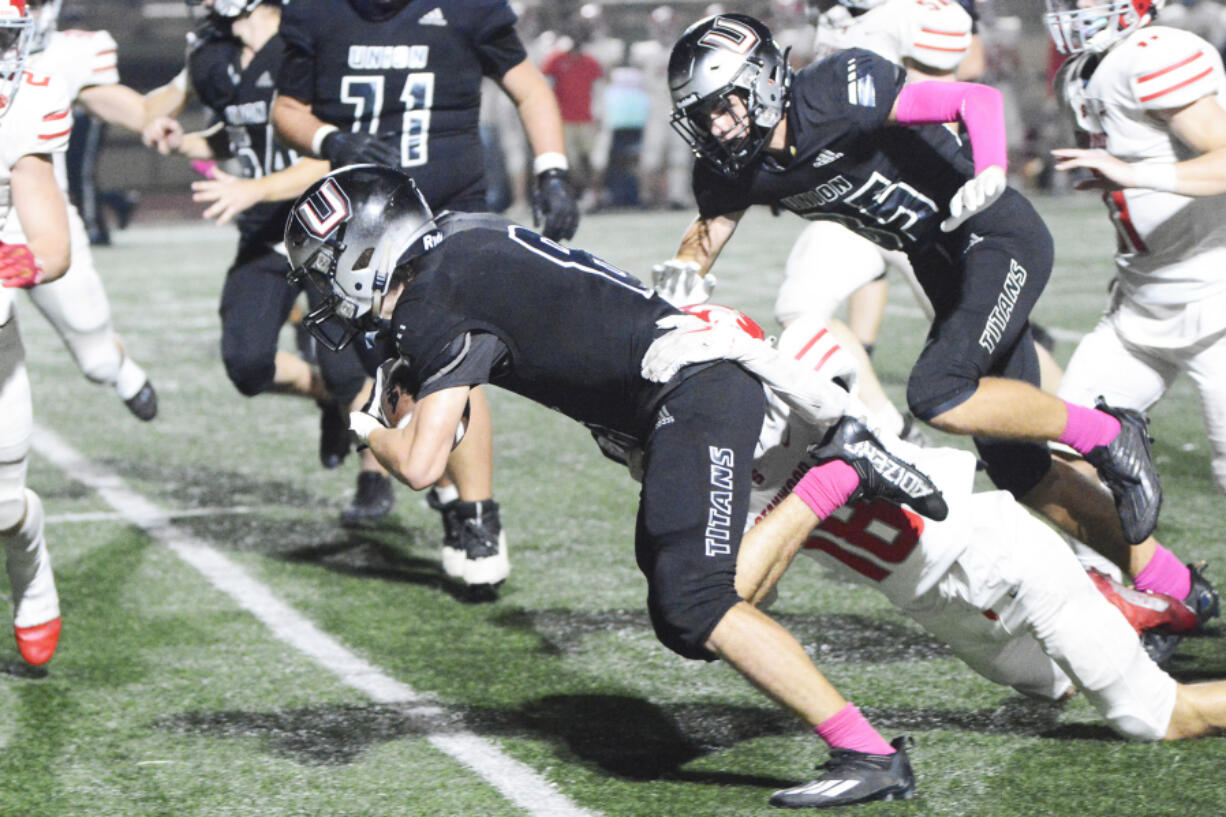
pixel 689 339
pixel 679 283
pixel 813 396
pixel 975 196
pixel 361 424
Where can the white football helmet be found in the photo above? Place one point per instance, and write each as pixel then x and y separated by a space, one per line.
pixel 16 35
pixel 860 5
pixel 46 15
pixel 1093 25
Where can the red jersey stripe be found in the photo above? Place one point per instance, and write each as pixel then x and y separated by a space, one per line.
pixel 51 117
pixel 1189 81
pixel 1170 68
pixel 55 135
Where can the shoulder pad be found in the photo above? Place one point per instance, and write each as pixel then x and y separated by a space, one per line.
pixel 1168 68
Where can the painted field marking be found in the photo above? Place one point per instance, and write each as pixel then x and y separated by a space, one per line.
pixel 516 781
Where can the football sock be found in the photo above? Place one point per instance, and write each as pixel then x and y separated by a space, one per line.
pixel 851 730
pixel 446 493
pixel 130 379
pixel 1088 428
pixel 827 487
pixel 1165 574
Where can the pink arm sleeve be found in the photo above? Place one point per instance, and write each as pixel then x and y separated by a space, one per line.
pixel 827 487
pixel 980 108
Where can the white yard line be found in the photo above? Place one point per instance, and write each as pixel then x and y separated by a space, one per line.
pixel 516 781
pixel 118 516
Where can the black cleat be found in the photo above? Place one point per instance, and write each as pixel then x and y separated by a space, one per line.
pixel 882 475
pixel 1203 597
pixel 372 500
pixel 1160 646
pixel 854 777
pixel 333 434
pixel 483 543
pixel 144 404
pixel 1126 466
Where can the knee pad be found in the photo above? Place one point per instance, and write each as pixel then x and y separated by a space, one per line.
pixel 683 620
pixel 12 504
pixel 249 374
pixel 932 391
pixel 826 265
pixel 1015 466
pixel 97 354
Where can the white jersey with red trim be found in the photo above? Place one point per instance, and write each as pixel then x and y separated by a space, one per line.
pixel 80 59
pixel 891 548
pixel 1172 248
pixel 934 33
pixel 37 121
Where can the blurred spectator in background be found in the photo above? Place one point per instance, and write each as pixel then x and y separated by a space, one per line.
pixel 626 109
pixel 666 160
pixel 574 73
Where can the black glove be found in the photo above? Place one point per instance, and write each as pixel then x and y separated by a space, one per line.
pixel 555 205
pixel 343 149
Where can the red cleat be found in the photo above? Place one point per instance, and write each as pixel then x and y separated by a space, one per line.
pixel 37 644
pixel 1146 610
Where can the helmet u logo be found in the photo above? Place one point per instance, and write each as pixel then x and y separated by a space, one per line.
pixel 730 35
pixel 324 210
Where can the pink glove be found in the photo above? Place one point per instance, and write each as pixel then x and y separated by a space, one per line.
pixel 19 267
pixel 207 169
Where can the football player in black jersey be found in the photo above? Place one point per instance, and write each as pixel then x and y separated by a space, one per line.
pixel 845 139
pixel 463 299
pixel 231 67
pixel 399 83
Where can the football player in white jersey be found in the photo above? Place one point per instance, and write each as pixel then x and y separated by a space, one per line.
pixel 35 122
pixel 992 581
pixel 1147 101
pixel 77 305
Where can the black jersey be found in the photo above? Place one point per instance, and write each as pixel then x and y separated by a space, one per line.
pixel 253 142
pixel 570 330
pixel 891 184
pixel 414 79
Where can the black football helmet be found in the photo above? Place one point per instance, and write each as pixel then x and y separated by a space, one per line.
pixel 715 58
pixel 346 236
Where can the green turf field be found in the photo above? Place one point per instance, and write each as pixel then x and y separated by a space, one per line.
pixel 168 697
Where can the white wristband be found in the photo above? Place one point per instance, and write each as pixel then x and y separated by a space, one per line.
pixel 1161 176
pixel 549 161
pixel 317 141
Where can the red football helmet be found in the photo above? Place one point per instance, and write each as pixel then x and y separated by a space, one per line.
pixel 1078 25
pixel 714 313
pixel 16 36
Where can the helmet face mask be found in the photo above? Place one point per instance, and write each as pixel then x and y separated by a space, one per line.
pixel 16 38
pixel 346 236
pixel 715 60
pixel 225 10
pixel 1076 27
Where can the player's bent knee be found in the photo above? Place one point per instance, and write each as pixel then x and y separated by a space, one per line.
pixel 251 376
pixel 1013 466
pixel 684 626
pixel 12 511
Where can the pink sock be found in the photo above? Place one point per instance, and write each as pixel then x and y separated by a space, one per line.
pixel 1165 574
pixel 850 730
pixel 827 487
pixel 1088 428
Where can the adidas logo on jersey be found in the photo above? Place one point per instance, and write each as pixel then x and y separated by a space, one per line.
pixel 826 157
pixel 664 418
pixel 265 80
pixel 433 17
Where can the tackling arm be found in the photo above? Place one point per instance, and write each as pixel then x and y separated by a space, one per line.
pixel 684 279
pixel 231 195
pixel 116 105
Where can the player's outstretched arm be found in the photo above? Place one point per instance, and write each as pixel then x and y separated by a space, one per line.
pixel 295 123
pixel 228 195
pixel 116 105
pixel 44 216
pixel 685 278
pixel 1200 125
